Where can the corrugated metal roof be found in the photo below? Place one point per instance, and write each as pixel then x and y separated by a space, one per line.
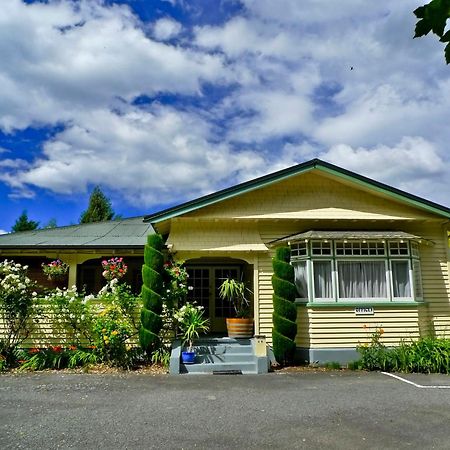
pixel 115 233
pixel 355 235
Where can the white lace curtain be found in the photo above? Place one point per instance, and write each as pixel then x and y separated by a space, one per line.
pixel 362 279
pixel 401 286
pixel 301 278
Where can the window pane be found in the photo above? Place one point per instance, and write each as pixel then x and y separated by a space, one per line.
pixel 301 278
pixel 400 279
pixel 320 248
pixel 418 291
pixel 323 287
pixel 299 249
pixel 362 279
pixel 398 248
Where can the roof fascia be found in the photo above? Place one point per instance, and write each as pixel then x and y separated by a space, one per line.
pixel 392 192
pixel 267 180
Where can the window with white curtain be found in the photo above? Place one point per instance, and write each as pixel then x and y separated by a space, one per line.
pixel 362 279
pixel 301 278
pixel 401 283
pixel 336 271
pixel 323 280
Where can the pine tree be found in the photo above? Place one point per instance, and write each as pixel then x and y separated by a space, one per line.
pixel 284 309
pixel 99 208
pixel 24 224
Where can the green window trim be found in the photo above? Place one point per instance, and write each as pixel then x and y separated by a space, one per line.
pixel 387 257
pixel 362 304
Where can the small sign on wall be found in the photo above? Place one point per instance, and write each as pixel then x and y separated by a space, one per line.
pixel 364 311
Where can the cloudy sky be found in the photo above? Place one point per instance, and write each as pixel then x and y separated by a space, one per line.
pixel 159 102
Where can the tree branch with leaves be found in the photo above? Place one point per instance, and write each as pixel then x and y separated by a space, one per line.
pixel 433 17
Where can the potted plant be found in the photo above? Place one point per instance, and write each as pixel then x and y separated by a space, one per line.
pixel 191 323
pixel 235 292
pixel 55 270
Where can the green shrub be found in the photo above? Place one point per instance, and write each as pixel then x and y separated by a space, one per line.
pixel 152 270
pixel 56 358
pixel 426 355
pixel 285 311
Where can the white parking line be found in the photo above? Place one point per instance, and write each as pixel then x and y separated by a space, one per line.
pixel 420 386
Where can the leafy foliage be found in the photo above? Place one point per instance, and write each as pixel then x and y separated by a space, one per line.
pixel 284 312
pixel 24 224
pixel 433 17
pixel 426 355
pixel 235 292
pixel 99 208
pixel 56 358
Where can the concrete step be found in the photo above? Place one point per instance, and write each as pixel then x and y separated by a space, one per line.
pixel 219 354
pixel 212 358
pixel 245 368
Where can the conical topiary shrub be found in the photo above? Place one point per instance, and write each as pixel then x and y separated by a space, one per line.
pixel 151 321
pixel 284 309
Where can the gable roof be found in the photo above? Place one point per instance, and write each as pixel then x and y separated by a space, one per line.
pixel 125 233
pixel 314 164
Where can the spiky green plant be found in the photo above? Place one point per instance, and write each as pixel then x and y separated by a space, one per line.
pixel 151 321
pixel 284 309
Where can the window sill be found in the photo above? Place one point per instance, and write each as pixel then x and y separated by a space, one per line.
pixel 367 303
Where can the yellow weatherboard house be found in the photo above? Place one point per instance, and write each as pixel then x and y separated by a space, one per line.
pixel 365 255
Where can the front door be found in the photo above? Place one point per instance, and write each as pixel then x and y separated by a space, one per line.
pixel 206 282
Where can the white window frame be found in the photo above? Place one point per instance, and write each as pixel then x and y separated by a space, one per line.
pixel 412 256
pixel 360 299
pixel 333 284
pixel 410 275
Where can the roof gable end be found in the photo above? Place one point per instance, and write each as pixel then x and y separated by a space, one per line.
pixel 314 164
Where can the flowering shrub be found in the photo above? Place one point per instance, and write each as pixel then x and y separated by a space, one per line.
pixel 71 313
pixel 114 268
pixel 55 269
pixel 105 322
pixel 175 283
pixel 17 305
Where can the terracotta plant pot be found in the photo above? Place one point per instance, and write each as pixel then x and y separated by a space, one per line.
pixel 240 328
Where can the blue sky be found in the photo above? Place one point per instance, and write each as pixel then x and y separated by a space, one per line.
pixel 159 102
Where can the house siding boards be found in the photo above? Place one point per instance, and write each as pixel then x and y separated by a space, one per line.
pixel 311 195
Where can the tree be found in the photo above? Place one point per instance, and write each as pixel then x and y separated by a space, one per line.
pixel 50 224
pixel 99 208
pixel 284 310
pixel 152 291
pixel 24 224
pixel 433 17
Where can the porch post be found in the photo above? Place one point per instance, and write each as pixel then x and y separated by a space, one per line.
pixel 72 274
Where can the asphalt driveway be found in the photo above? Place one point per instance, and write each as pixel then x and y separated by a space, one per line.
pixel 302 410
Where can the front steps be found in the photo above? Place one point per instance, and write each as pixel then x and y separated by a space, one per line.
pixel 220 355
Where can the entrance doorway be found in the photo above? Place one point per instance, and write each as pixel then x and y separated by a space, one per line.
pixel 206 281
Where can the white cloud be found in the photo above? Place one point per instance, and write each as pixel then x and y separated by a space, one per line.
pixel 148 156
pixel 345 82
pixel 166 28
pixel 64 57
pixel 413 164
pixel 3 232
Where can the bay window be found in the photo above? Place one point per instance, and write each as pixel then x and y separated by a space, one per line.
pixel 331 270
